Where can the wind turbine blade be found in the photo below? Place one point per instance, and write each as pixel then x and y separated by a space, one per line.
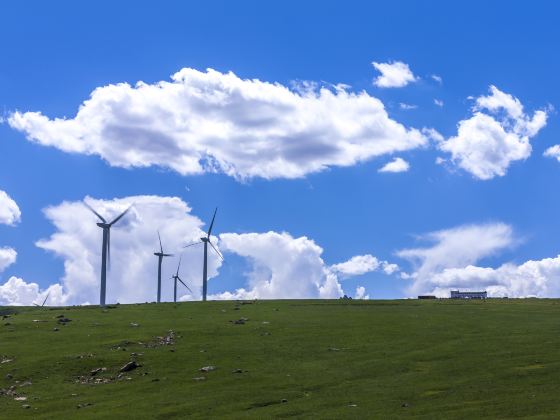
pixel 196 243
pixel 179 265
pixel 121 215
pixel 212 224
pixel 215 249
pixel 167 255
pixel 36 304
pixel 183 283
pixel 45 301
pixel 94 212
pixel 160 246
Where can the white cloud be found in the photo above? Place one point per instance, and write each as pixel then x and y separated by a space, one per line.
pixel 455 248
pixel 9 210
pixel 17 292
pixel 406 107
pixel 393 74
pixel 539 278
pixel 361 293
pixel 216 122
pixel 396 165
pixel 437 78
pixel 133 274
pixel 438 102
pixel 7 257
pixel 486 145
pixel 283 267
pixel 362 264
pixel 553 152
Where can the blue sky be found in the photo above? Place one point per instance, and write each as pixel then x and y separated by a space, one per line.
pixel 55 56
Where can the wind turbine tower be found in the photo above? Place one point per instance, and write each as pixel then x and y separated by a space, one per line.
pixel 206 240
pixel 176 277
pixel 106 248
pixel 160 256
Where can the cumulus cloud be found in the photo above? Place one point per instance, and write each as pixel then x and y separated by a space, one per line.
pixel 9 210
pixel 7 257
pixel 396 165
pixel 540 278
pixel 361 293
pixel 553 152
pixel 438 102
pixel 488 142
pixel 454 249
pixel 17 292
pixel 362 264
pixel 393 74
pixel 283 267
pixel 133 273
pixel 217 122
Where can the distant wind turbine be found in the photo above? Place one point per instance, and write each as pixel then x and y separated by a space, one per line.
pixel 45 301
pixel 106 248
pixel 160 256
pixel 176 277
pixel 206 241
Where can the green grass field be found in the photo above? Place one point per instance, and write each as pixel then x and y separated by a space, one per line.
pixel 320 359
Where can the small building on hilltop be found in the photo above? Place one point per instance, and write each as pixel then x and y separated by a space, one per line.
pixel 456 294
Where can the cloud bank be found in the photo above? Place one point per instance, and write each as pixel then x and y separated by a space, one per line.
pixel 450 263
pixel 282 266
pixel 217 122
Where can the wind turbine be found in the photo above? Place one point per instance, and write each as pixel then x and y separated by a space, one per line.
pixel 160 256
pixel 206 241
pixel 45 301
pixel 176 277
pixel 106 248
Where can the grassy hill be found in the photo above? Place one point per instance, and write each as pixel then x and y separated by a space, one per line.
pixel 321 359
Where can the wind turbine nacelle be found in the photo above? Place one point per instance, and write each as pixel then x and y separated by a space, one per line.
pixel 204 239
pixel 103 225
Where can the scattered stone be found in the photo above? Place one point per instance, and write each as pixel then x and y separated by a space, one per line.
pixel 167 340
pixel 404 405
pixel 6 360
pixel 83 405
pixel 172 350
pixel 26 406
pixel 5 316
pixel 200 378
pixel 39 320
pixel 20 398
pixel 129 366
pixel 8 376
pixel 63 321
pixel 155 380
pixel 26 383
pixel 208 368
pixel 352 405
pixel 266 322
pixel 237 371
pixel 284 400
pixel 60 316
pixel 96 371
pixel 134 324
pixel 334 349
pixel 55 329
pixel 7 324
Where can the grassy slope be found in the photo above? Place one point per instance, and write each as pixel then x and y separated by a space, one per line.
pixel 440 359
